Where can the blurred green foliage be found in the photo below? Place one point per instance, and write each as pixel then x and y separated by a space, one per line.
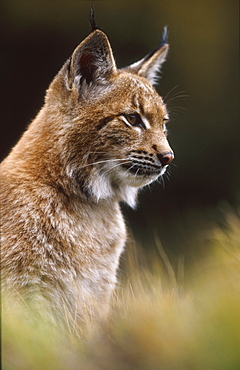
pixel 199 81
pixel 161 318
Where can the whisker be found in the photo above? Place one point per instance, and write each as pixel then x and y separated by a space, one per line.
pixel 176 97
pixel 167 176
pixel 136 173
pixel 134 165
pixel 116 165
pixel 129 169
pixel 161 181
pixel 169 92
pixel 103 161
pixel 173 96
pixel 179 108
pixel 174 111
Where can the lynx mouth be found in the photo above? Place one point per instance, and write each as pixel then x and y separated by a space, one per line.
pixel 143 164
pixel 143 169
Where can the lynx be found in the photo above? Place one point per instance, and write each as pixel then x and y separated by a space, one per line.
pixel 99 137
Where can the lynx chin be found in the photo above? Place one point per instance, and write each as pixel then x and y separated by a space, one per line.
pixel 99 138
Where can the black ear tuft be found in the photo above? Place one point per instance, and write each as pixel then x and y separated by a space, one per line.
pixel 164 39
pixel 150 65
pixel 92 19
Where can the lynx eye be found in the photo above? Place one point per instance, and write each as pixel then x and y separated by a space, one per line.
pixel 134 119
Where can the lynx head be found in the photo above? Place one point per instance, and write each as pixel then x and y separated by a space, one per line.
pixel 113 125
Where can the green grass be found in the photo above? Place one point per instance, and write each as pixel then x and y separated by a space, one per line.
pixel 161 318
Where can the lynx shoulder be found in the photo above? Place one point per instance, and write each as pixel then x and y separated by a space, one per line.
pixel 99 137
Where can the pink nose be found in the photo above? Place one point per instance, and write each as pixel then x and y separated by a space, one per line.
pixel 166 158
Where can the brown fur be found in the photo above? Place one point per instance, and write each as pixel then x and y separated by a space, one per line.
pixel 62 228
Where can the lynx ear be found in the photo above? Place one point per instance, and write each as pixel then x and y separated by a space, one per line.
pixel 149 66
pixel 92 61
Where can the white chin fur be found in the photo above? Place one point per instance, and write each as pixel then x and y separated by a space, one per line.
pixel 104 186
pixel 117 183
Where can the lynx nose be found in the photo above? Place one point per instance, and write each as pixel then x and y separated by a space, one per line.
pixel 165 158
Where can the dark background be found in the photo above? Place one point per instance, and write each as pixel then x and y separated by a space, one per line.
pixel 199 81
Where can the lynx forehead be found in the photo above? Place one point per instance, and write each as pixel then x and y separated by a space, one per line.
pixel 99 138
pixel 141 94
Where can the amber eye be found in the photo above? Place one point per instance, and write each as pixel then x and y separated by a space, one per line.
pixel 134 119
